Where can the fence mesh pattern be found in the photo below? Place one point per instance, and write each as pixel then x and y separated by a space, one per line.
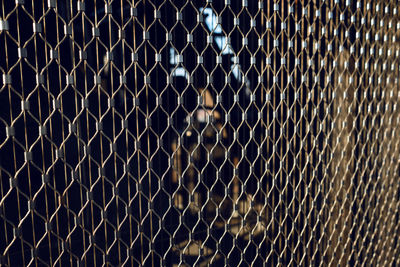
pixel 160 132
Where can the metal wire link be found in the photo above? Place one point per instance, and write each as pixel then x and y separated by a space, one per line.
pixel 159 132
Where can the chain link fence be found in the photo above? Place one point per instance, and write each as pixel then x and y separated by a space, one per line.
pixel 160 132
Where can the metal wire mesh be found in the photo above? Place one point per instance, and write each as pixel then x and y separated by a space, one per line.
pixel 161 132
